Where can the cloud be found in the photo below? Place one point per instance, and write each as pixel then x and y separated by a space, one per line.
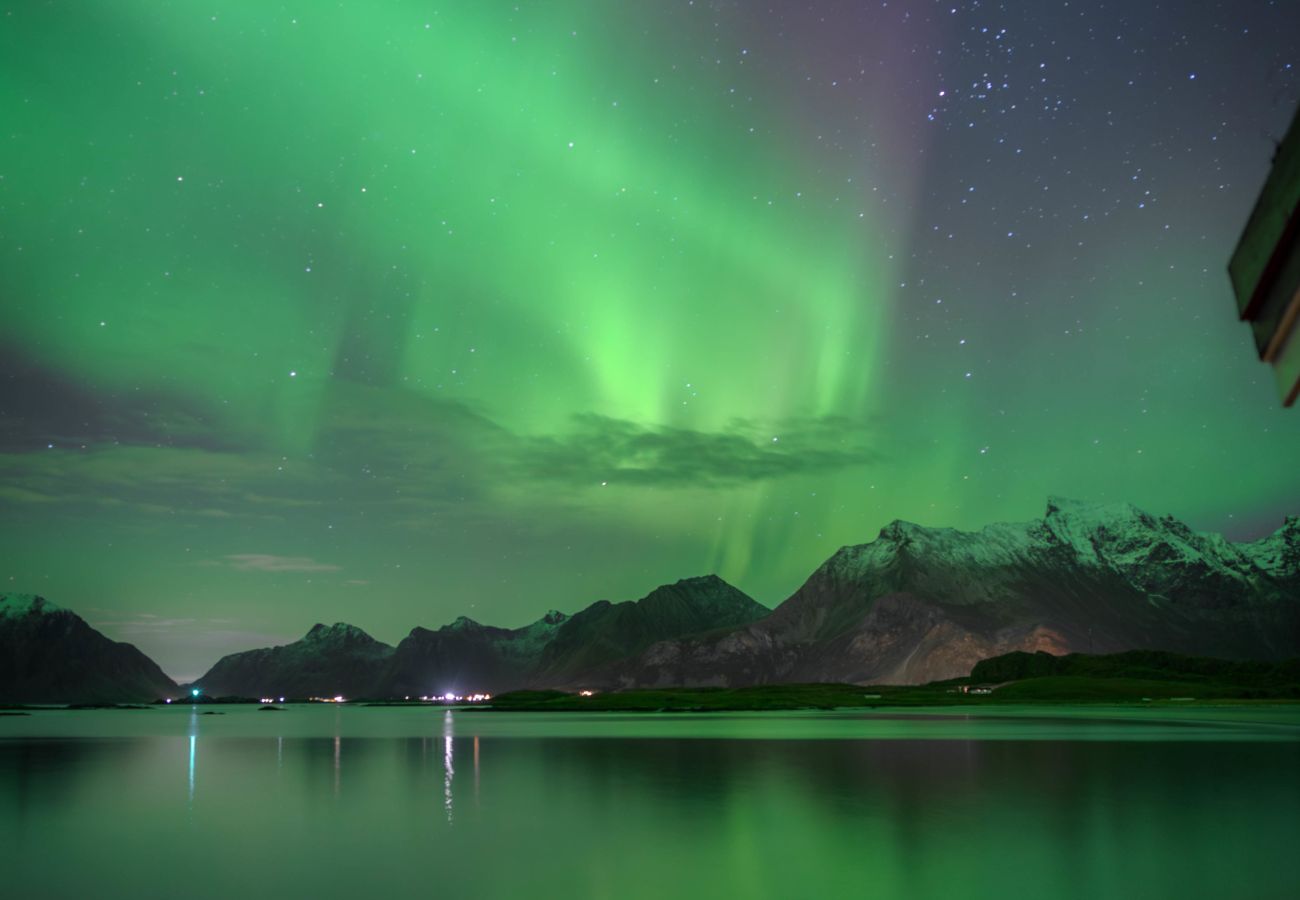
pixel 22 495
pixel 44 406
pixel 601 449
pixel 267 562
pixel 448 451
pixel 166 481
pixel 422 463
pixel 141 623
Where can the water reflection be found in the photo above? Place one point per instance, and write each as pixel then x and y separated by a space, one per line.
pixel 338 741
pixel 633 817
pixel 338 747
pixel 194 738
pixel 448 770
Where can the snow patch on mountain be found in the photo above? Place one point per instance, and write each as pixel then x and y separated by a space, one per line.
pixel 17 605
pixel 1116 537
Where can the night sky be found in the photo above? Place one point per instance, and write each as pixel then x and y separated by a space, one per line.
pixel 388 313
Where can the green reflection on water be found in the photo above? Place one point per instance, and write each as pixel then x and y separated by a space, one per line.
pixel 372 802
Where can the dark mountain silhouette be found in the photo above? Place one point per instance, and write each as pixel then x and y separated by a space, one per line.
pixel 50 655
pixel 916 604
pixel 467 656
pixel 328 661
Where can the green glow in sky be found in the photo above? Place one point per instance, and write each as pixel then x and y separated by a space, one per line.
pixel 387 313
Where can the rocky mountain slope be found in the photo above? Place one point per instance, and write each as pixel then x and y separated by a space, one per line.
pixel 559 649
pixel 606 632
pixel 328 661
pixel 50 655
pixel 467 656
pixel 919 604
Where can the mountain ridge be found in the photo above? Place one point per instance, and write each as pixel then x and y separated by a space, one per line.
pixel 921 603
pixel 49 654
pixel 917 603
pixel 327 661
pixel 466 656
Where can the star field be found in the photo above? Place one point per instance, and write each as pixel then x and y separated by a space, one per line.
pixel 388 314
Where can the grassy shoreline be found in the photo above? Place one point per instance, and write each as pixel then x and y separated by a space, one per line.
pixel 835 696
pixel 1138 678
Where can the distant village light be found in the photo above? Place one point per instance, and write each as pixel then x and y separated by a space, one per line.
pixel 450 697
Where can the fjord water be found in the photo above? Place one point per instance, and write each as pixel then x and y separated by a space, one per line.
pixel 331 801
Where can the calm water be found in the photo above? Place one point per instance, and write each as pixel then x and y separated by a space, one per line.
pixel 355 802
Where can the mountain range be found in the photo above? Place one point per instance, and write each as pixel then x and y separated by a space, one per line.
pixel 914 605
pixel 467 657
pixel 921 604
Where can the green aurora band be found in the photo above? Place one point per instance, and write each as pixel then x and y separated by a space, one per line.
pixel 387 313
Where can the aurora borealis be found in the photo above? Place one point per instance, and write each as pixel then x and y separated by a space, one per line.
pixel 388 313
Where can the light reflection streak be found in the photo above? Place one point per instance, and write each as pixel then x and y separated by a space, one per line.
pixel 194 736
pixel 448 770
pixel 337 748
pixel 336 765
